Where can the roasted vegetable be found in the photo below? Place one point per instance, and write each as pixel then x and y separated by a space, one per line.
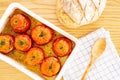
pixel 62 46
pixel 20 23
pixel 50 66
pixel 22 42
pixel 34 56
pixel 42 34
pixel 6 43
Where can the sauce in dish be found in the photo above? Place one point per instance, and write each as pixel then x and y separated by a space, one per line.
pixel 35 45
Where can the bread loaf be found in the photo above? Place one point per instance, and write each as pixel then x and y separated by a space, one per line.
pixel 75 13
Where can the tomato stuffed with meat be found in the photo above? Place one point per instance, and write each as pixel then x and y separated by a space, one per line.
pixel 34 56
pixel 41 34
pixel 50 66
pixel 6 43
pixel 20 23
pixel 22 42
pixel 62 46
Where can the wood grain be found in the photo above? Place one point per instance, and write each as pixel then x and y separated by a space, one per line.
pixel 110 20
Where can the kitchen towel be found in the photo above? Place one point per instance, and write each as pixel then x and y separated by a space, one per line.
pixel 106 67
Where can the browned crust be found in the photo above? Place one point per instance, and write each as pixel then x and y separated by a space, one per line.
pixel 66 20
pixel 63 17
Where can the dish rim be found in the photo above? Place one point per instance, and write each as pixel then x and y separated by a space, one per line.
pixel 4 19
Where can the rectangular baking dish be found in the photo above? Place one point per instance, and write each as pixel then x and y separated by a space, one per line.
pixel 14 63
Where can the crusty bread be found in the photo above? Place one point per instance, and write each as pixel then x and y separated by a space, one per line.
pixel 75 13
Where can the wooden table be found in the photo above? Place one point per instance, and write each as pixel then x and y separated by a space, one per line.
pixel 110 20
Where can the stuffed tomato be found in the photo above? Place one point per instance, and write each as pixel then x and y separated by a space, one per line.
pixel 42 34
pixel 22 42
pixel 6 43
pixel 34 56
pixel 62 46
pixel 50 66
pixel 20 23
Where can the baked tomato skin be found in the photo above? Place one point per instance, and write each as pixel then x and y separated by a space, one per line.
pixel 20 23
pixel 6 43
pixel 50 66
pixel 23 42
pixel 34 56
pixel 42 34
pixel 62 46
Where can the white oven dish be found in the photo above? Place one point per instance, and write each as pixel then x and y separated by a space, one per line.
pixel 12 7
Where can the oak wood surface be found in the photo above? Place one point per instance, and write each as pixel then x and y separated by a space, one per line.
pixel 110 20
